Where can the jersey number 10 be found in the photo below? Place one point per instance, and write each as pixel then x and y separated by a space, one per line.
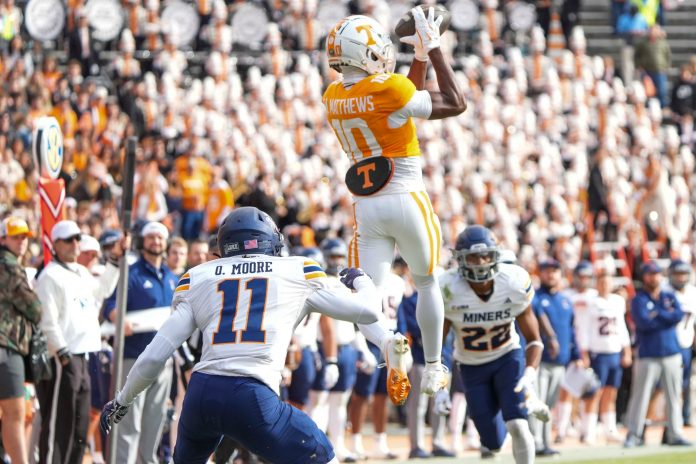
pixel 252 333
pixel 356 137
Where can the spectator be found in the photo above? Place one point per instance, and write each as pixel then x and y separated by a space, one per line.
pixel 177 252
pixel 150 291
pixel 631 24
pixel 649 9
pixel 683 101
pixel 654 56
pixel 655 314
pixel 197 253
pixel 71 299
pixel 549 301
pixel 20 310
pixel 81 45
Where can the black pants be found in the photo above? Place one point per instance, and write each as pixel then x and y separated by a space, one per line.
pixel 64 402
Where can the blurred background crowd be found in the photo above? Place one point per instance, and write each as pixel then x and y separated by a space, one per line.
pixel 562 154
pixel 557 151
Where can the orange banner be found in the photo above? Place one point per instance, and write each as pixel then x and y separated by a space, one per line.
pixel 52 194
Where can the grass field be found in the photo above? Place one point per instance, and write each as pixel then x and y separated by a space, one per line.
pixel 650 455
pixel 684 457
pixel 571 451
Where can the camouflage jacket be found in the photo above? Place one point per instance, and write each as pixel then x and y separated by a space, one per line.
pixel 19 305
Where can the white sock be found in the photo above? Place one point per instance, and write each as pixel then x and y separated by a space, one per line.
pixel 382 444
pixel 430 313
pixel 589 427
pixel 337 418
pixel 318 408
pixel 565 409
pixel 377 332
pixel 522 441
pixel 358 447
pixel 609 421
pixel 456 420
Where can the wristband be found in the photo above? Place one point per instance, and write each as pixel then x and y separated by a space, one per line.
pixel 534 343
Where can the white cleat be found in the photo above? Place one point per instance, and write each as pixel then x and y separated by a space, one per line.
pixel 398 358
pixel 435 378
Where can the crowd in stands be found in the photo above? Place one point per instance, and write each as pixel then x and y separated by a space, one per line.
pixel 553 154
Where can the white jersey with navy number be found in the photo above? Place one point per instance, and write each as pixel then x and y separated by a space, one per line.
pixel 582 301
pixel 393 289
pixel 247 308
pixel 605 328
pixel 485 330
pixel 685 329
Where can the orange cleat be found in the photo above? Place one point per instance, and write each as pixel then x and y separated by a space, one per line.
pixel 398 356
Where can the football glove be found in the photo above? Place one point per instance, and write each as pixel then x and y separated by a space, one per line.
pixel 442 403
pixel 427 36
pixel 368 363
pixel 111 414
pixel 349 274
pixel 331 375
pixel 535 406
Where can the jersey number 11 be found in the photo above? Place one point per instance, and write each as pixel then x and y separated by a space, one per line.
pixel 252 333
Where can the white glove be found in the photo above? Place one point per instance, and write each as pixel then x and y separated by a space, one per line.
pixel 369 362
pixel 442 404
pixel 528 381
pixel 535 406
pixel 330 375
pixel 427 36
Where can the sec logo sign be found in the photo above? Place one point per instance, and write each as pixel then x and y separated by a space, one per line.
pixel 48 147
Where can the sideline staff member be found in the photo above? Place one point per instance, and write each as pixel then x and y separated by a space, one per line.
pixel 70 319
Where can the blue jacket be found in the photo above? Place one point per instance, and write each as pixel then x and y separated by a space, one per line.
pixel 559 309
pixel 406 323
pixel 148 288
pixel 655 321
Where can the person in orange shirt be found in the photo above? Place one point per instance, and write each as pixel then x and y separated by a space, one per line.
pixel 194 185
pixel 220 201
pixel 66 117
pixel 370 109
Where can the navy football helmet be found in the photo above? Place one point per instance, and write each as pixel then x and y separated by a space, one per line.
pixel 249 231
pixel 335 253
pixel 679 274
pixel 313 253
pixel 477 254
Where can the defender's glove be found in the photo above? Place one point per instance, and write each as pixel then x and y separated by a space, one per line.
pixel 427 36
pixel 349 274
pixel 442 402
pixel 331 375
pixel 535 406
pixel 112 413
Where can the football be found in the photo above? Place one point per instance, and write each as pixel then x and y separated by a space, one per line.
pixel 407 26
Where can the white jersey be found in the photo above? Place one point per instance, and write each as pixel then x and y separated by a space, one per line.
pixel 344 331
pixel 582 301
pixel 685 329
pixel 605 330
pixel 485 330
pixel 247 308
pixel 393 289
pixel 307 331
